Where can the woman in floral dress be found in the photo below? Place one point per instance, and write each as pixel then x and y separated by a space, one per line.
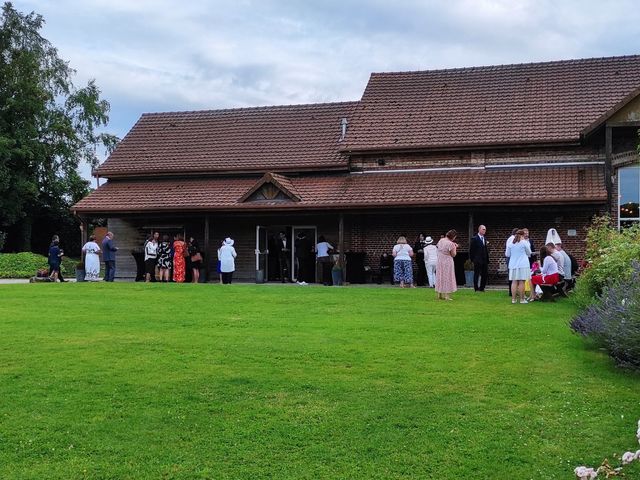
pixel 446 277
pixel 164 258
pixel 91 260
pixel 179 249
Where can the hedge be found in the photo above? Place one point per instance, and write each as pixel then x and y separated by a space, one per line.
pixel 26 264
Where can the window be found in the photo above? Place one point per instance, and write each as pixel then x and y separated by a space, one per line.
pixel 628 196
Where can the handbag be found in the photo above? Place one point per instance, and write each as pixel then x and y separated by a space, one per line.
pixel 196 258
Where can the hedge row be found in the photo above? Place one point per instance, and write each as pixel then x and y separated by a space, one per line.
pixel 26 264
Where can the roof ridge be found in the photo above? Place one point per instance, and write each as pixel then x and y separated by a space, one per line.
pixel 250 109
pixel 506 66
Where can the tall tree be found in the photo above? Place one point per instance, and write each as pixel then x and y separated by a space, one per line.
pixel 47 126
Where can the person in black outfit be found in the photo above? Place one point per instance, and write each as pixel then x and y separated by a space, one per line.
pixel 418 248
pixel 479 255
pixel 386 267
pixel 283 249
pixel 303 254
pixel 56 238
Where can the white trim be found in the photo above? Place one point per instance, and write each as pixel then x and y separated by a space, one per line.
pixel 486 167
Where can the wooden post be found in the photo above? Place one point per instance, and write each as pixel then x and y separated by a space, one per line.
pixel 608 151
pixel 84 231
pixel 470 230
pixel 207 248
pixel 341 247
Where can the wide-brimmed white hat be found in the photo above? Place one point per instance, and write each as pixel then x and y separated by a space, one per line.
pixel 553 237
pixel 428 240
pixel 228 241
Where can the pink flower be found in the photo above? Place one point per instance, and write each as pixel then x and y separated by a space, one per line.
pixel 628 457
pixel 584 473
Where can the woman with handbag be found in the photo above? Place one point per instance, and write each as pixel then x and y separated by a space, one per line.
pixel 196 259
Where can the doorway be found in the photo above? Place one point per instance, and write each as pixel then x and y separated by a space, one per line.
pixel 285 259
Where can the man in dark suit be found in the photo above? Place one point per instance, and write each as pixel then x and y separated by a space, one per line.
pixel 109 250
pixel 479 255
pixel 283 249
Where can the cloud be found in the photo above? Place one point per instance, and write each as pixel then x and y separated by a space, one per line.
pixel 157 55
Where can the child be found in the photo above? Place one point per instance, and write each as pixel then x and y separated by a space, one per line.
pixel 535 269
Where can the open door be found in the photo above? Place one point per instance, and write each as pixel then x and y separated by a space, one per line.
pixel 262 252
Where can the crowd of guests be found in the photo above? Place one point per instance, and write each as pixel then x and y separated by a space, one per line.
pixel 530 277
pixel 529 280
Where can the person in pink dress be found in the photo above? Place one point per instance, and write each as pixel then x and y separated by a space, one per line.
pixel 446 277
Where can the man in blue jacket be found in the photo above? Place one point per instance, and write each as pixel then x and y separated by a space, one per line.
pixel 109 250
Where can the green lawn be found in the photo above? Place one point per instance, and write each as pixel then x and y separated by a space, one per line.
pixel 134 381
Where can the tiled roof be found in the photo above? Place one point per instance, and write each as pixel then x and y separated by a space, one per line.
pixel 551 102
pixel 282 138
pixel 538 185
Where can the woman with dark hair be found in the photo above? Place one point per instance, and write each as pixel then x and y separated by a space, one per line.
pixel 151 257
pixel 56 238
pixel 446 277
pixel 54 259
pixel 91 260
pixel 196 259
pixel 549 272
pixel 179 252
pixel 164 258
pixel 418 248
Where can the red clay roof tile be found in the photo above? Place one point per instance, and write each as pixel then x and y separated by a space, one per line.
pixel 280 138
pixel 570 184
pixel 551 102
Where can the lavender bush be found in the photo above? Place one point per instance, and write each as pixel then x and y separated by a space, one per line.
pixel 613 319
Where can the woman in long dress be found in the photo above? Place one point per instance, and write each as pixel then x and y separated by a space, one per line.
pixel 91 260
pixel 446 277
pixel 179 251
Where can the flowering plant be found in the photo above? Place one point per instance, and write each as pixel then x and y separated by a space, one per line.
pixel 589 473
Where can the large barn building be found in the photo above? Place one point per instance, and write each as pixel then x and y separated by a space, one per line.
pixel 539 145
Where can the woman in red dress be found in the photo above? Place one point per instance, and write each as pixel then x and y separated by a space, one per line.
pixel 179 249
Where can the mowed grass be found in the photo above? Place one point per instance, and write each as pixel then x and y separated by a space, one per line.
pixel 134 381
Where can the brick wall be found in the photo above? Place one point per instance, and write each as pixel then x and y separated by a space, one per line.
pixel 477 158
pixel 377 233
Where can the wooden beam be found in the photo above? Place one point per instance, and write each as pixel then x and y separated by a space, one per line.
pixel 630 123
pixel 207 248
pixel 341 246
pixel 608 149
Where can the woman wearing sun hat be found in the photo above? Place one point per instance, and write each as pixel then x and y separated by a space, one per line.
pixel 227 255
pixel 430 260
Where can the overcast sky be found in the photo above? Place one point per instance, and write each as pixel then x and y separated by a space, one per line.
pixel 166 55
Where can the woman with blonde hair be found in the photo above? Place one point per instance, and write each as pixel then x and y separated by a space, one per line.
pixel 519 251
pixel 402 267
pixel 446 277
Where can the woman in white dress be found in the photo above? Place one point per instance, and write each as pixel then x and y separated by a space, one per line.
pixel 518 251
pixel 91 260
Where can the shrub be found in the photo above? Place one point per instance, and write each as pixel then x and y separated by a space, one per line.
pixel 609 254
pixel 613 320
pixel 26 264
